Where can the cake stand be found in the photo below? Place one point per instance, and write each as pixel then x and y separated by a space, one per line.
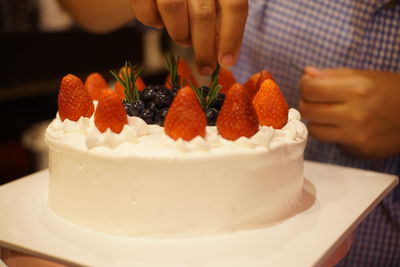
pixel 338 199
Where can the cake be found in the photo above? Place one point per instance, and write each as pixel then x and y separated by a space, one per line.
pixel 140 182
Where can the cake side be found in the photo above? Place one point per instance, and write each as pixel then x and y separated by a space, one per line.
pixel 142 183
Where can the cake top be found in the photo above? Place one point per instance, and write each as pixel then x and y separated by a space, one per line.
pixel 179 106
pixel 174 118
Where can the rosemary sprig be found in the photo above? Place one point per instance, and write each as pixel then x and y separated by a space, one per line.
pixel 199 94
pixel 208 100
pixel 127 77
pixel 214 89
pixel 172 63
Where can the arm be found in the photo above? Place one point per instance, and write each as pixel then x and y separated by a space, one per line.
pixel 358 109
pixel 214 28
pixel 99 15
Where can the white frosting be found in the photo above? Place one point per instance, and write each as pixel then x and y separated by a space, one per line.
pixel 138 138
pixel 141 182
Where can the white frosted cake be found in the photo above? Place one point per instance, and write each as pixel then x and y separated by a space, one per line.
pixel 142 183
pixel 145 163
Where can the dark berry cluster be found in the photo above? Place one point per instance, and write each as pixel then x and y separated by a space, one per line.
pixel 152 105
pixel 155 100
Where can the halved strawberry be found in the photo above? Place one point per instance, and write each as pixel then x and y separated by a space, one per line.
pixel 73 99
pixel 185 118
pixel 140 85
pixel 270 105
pixel 110 112
pixel 254 82
pixel 237 116
pixel 184 73
pixel 95 84
pixel 226 79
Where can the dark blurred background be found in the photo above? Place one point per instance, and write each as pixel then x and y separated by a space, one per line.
pixel 39 45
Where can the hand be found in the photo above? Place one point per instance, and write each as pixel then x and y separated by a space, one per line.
pixel 213 27
pixel 357 109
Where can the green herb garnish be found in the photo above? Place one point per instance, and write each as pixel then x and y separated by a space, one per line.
pixel 127 77
pixel 207 101
pixel 172 63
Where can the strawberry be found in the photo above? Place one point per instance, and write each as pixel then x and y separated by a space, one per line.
pixel 110 112
pixel 73 99
pixel 185 118
pixel 140 85
pixel 95 84
pixel 254 82
pixel 226 79
pixel 270 105
pixel 184 73
pixel 237 116
pixel 119 89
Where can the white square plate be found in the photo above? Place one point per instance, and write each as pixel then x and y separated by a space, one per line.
pixel 343 197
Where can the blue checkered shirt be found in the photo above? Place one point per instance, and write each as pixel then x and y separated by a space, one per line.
pixel 358 34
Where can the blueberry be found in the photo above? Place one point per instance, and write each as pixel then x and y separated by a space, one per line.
pixel 211 115
pixel 151 105
pixel 174 91
pixel 140 94
pixel 161 88
pixel 219 101
pixel 163 98
pixel 136 108
pixel 148 116
pixel 149 93
pixel 160 117
pixel 127 107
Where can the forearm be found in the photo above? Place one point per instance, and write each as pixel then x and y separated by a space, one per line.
pixel 99 15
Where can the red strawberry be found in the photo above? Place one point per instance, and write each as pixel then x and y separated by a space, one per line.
pixel 237 116
pixel 110 113
pixel 185 118
pixel 226 79
pixel 270 105
pixel 119 89
pixel 95 84
pixel 254 82
pixel 185 74
pixel 73 99
pixel 140 85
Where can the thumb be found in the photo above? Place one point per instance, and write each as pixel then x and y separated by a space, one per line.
pixel 312 71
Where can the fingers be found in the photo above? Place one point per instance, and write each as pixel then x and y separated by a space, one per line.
pixel 322 113
pixel 335 86
pixel 325 89
pixel 327 133
pixel 312 71
pixel 174 14
pixel 214 28
pixel 147 13
pixel 315 72
pixel 233 19
pixel 202 14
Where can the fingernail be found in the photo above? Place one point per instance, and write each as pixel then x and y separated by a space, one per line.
pixel 227 60
pixel 312 71
pixel 206 70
